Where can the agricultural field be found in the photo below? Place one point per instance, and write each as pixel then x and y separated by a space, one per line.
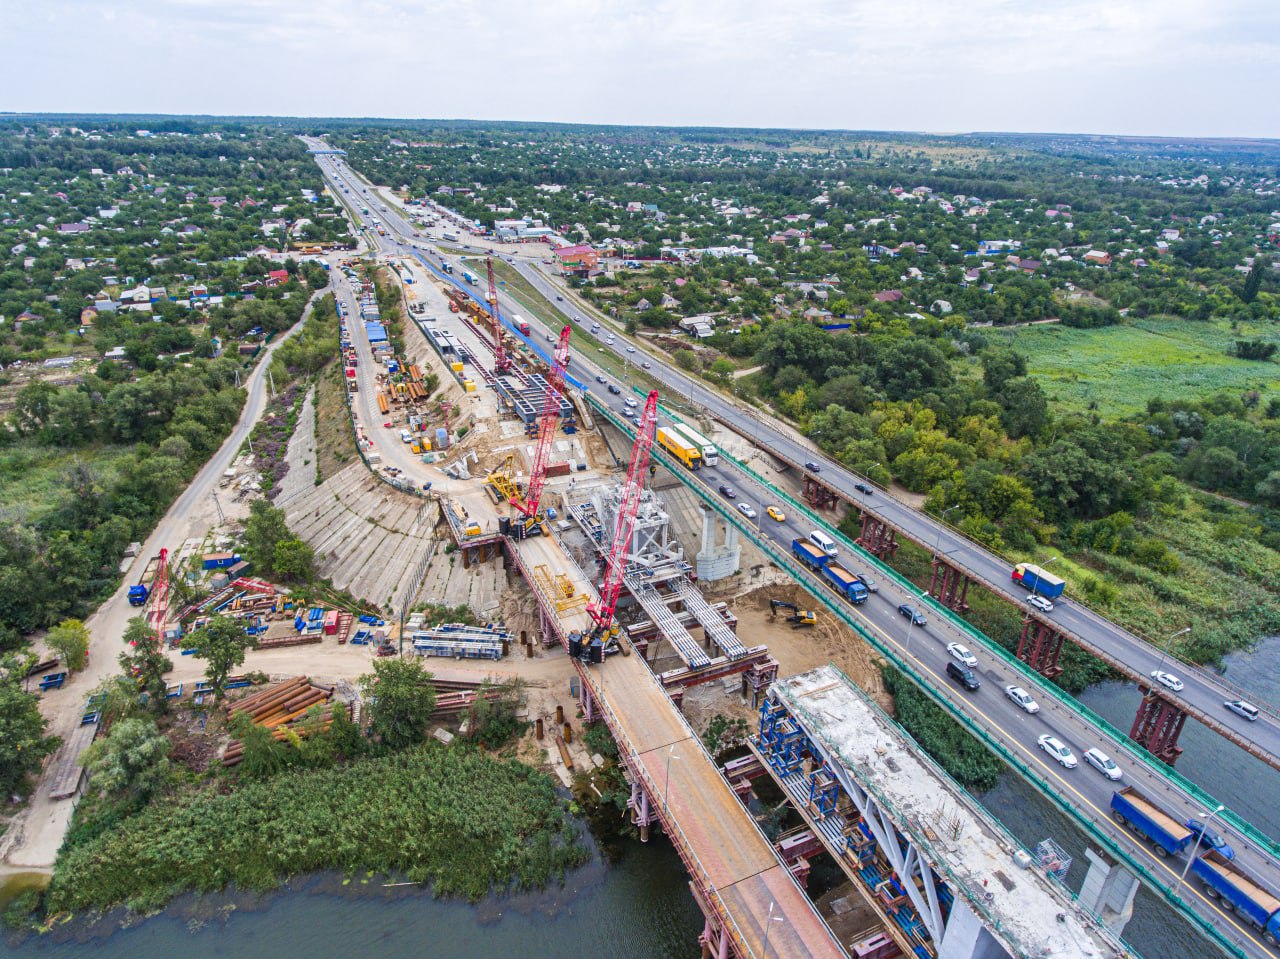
pixel 1116 369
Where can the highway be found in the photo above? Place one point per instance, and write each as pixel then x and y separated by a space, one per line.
pixel 1083 791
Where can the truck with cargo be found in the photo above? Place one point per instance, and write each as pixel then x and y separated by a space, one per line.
pixel 1038 581
pixel 1168 836
pixel 520 324
pixel 1224 881
pixel 809 554
pixel 675 444
pixel 846 583
pixel 470 277
pixel 139 592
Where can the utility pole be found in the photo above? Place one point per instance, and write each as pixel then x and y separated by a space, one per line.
pixel 222 517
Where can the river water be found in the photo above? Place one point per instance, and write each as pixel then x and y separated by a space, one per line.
pixel 636 908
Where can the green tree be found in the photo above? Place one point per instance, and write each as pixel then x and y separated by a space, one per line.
pixel 294 561
pixel 1024 407
pixel 70 640
pixel 265 529
pixel 264 755
pixel 132 761
pixel 23 743
pixel 401 698
pixel 145 662
pixel 1252 282
pixel 221 643
pixel 999 365
pixel 722 370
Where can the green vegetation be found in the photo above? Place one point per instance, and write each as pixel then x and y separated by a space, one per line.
pixel 131 762
pixel 950 745
pixel 222 643
pixel 1117 370
pixel 275 551
pixel 452 818
pixel 401 699
pixel 23 745
pixel 70 640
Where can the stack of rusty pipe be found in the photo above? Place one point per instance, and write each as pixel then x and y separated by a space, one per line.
pixel 278 708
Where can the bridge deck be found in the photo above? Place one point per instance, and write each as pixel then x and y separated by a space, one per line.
pixel 710 827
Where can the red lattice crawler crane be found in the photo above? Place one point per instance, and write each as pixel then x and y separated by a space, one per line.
pixel 547 422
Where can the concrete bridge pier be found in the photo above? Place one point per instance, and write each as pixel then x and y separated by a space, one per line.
pixel 1108 892
pixel 1040 647
pixel 1158 725
pixel 877 538
pixel 949 586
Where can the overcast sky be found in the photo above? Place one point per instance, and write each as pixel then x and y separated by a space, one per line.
pixel 1157 67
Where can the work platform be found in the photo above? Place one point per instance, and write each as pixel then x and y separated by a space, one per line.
pixel 949 879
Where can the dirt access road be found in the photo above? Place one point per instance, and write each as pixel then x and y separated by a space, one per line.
pixel 35 835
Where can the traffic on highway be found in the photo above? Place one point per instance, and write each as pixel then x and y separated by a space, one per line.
pixel 1026 718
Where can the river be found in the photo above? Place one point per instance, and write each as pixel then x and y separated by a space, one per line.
pixel 636 908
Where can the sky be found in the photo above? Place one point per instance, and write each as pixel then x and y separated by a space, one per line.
pixel 1139 67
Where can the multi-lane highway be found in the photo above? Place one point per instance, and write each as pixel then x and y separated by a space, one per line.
pixel 1083 791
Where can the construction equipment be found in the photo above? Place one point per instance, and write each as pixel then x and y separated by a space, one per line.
pixel 601 612
pixel 798 617
pixel 501 362
pixel 547 421
pixel 159 613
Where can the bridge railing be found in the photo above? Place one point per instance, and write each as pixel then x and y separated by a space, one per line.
pixel 1135 753
pixel 785 561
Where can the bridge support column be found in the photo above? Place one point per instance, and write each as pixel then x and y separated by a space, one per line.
pixel 588 703
pixel 1040 647
pixel 1108 892
pixel 757 680
pixel 1157 726
pixel 877 538
pixel 641 815
pixel 949 586
pixel 819 496
pixel 677 697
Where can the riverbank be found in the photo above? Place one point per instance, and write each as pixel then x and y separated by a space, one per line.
pixel 452 818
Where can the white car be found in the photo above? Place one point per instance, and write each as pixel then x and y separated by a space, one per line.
pixel 1058 751
pixel 962 655
pixel 1040 603
pixel 631 349
pixel 1022 698
pixel 1168 680
pixel 747 510
pixel 1102 762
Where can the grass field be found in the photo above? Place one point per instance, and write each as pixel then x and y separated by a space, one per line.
pixel 32 477
pixel 1116 369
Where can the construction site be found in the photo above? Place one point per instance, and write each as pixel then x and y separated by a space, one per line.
pixel 489 478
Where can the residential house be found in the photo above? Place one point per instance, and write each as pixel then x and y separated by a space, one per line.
pixel 888 296
pixel 277 277
pixel 669 302
pixel 940 307
pixel 582 256
pixel 1099 257
pixel 73 227
pixel 644 305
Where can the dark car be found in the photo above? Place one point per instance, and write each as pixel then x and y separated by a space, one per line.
pixel 614 390
pixel 912 613
pixel 964 676
pixel 863 488
pixel 1211 839
pixel 813 467
pixel 728 491
pixel 560 298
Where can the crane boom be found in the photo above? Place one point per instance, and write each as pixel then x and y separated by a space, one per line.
pixel 624 525
pixel 160 599
pixel 501 363
pixel 547 420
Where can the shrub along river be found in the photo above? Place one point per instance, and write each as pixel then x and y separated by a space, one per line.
pixel 638 906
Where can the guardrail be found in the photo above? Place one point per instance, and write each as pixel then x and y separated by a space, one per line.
pixel 784 560
pixel 1266 843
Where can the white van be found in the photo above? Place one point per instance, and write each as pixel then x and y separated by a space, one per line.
pixel 824 543
pixel 406 436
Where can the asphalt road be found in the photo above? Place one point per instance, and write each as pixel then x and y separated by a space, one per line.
pixel 924 648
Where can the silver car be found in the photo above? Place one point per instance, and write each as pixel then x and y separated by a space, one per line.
pixel 1102 762
pixel 1058 751
pixel 1022 698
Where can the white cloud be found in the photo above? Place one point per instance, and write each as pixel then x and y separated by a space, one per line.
pixel 1177 67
